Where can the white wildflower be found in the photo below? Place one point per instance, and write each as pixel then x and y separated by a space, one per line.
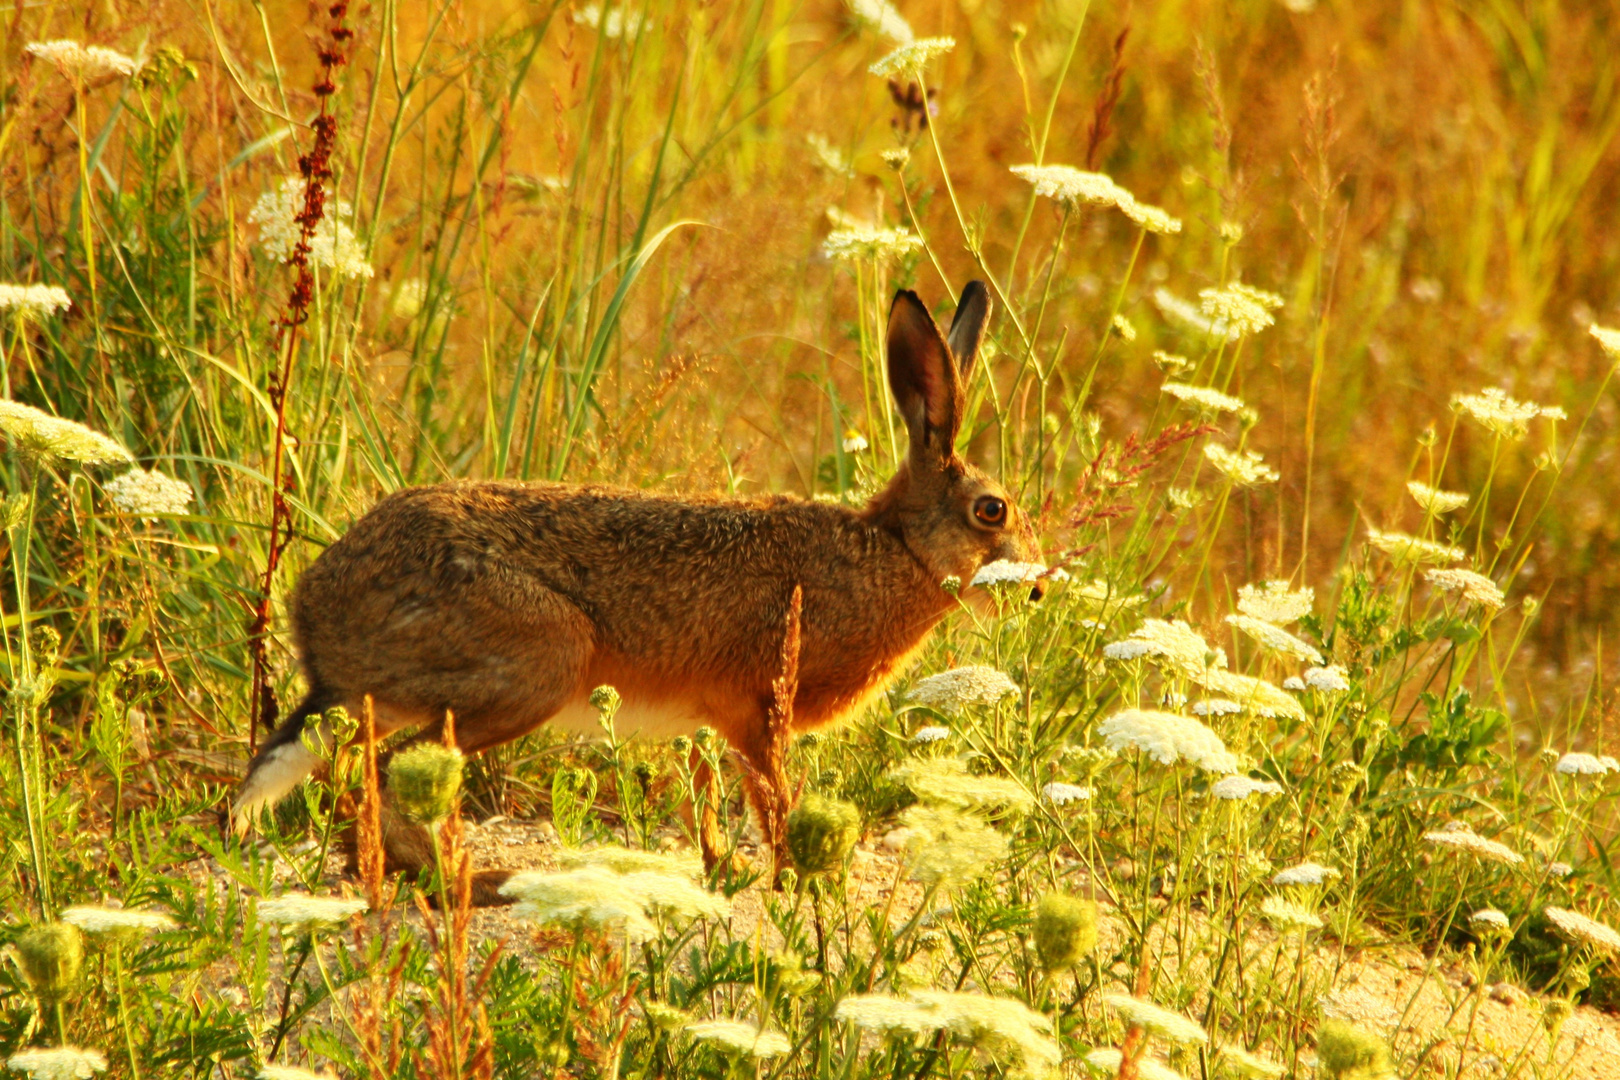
pixel 946 782
pixel 1245 309
pixel 1247 1066
pixel 1187 314
pixel 1275 602
pixel 291 1072
pixel 1330 679
pixel 1488 920
pixel 623 860
pixel 976 684
pixel 610 24
pixel 1306 873
pixel 1156 1021
pixel 333 244
pixel 998 1027
pixel 83 61
pixel 1475 588
pixel 882 15
pixel 1434 501
pixel 147 494
pixel 1007 572
pixel 1235 788
pixel 1060 794
pixel 739 1037
pixel 1459 837
pixel 1502 415
pixel 931 734
pixel 1289 917
pixel 829 156
pixel 1256 695
pixel 1404 548
pixel 1608 340
pixel 298 912
pixel 36 432
pixel 1151 218
pixel 912 57
pixel 1073 187
pixel 1560 869
pixel 596 896
pixel 870 243
pixel 1170 361
pixel 946 847
pixel 1105 1062
pixel 1202 397
pixel 409 296
pixel 854 443
pixel 1582 930
pixel 1245 468
pixel 888 1014
pixel 1216 707
pixel 1129 649
pixel 1122 326
pixel 1294 682
pixel 117 921
pixel 1579 764
pixel 1167 738
pixel 1275 638
pixel 1180 647
pixel 57 1063
pixel 34 301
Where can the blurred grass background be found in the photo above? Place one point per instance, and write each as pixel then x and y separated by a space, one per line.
pixel 598 254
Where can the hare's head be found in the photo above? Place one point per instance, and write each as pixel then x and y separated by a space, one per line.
pixel 954 518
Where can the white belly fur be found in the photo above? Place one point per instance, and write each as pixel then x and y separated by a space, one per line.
pixel 649 719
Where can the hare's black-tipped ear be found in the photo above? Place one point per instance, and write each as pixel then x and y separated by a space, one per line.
pixel 967 328
pixel 924 379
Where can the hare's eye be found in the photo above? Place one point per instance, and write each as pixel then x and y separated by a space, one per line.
pixel 991 510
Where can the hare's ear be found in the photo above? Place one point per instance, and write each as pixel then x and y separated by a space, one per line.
pixel 967 328
pixel 924 379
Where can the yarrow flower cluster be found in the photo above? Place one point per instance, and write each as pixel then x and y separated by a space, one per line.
pixel 300 912
pixel 333 245
pixel 1008 572
pixel 83 61
pixel 57 1063
pixel 999 1027
pixel 1459 837
pixel 1502 415
pixel 946 782
pixel 1475 588
pixel 1060 794
pixel 912 57
pixel 976 684
pixel 34 301
pixel 739 1037
pixel 1488 920
pixel 1177 645
pixel 1156 1021
pixel 1151 218
pixel 1276 602
pixel 1330 679
pixel 149 493
pixel 1187 314
pixel 1582 930
pixel 117 921
pixel 1242 307
pixel 1275 638
pixel 1434 501
pixel 615 889
pixel 1073 187
pixel 1579 764
pixel 931 734
pixel 1306 873
pixel 870 243
pixel 1216 707
pixel 1245 468
pixel 1203 398
pixel 1404 548
pixel 1235 788
pixel 1256 695
pixel 36 432
pixel 1167 738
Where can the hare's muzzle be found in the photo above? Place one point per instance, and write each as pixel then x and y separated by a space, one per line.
pixel 1036 591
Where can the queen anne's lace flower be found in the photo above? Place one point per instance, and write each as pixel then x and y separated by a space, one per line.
pixel 57 1063
pixel 1256 695
pixel 1175 644
pixel 931 734
pixel 1203 398
pixel 946 782
pixel 912 57
pixel 997 1026
pixel 882 15
pixel 1434 501
pixel 1459 837
pixel 1607 339
pixel 1158 1022
pixel 1243 308
pixel 1500 414
pixel 1293 682
pixel 623 860
pixel 1404 548
pixel 1245 468
pixel 1216 707
pixel 1306 873
pixel 1582 930
pixel 117 921
pixel 1007 572
pixel 976 684
pixel 333 245
pixel 1488 920
pixel 738 1037
pixel 1579 764
pixel 1475 588
pixel 1275 638
pixel 1275 602
pixel 1073 187
pixel 1289 917
pixel 1151 218
pixel 829 156
pixel 870 243
pixel 1060 794
pixel 34 301
pixel 36 432
pixel 1188 315
pixel 83 61
pixel 1234 788
pixel 146 494
pixel 1330 679
pixel 1167 738
pixel 945 846
pixel 1105 1062
pixel 646 885
pixel 301 912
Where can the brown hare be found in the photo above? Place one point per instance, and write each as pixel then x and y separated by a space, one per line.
pixel 506 603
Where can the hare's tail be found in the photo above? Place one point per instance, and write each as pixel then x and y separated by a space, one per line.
pixel 281 763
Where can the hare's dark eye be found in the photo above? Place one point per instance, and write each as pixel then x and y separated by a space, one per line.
pixel 991 510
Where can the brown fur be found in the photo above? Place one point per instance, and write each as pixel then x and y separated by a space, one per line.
pixel 506 602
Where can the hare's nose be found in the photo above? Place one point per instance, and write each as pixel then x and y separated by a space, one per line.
pixel 1036 591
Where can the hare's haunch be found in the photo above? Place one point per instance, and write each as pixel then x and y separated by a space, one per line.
pixel 507 603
